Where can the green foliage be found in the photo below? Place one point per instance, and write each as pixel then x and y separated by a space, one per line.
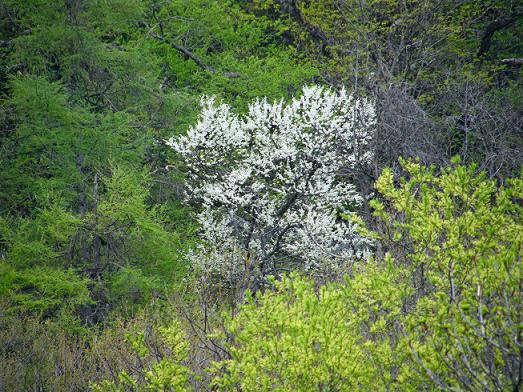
pixel 43 290
pixel 81 106
pixel 35 278
pixel 236 45
pixel 120 250
pixel 298 337
pixel 93 229
pixel 123 216
pixel 353 39
pixel 166 374
pixel 458 236
pixel 42 238
pixel 58 146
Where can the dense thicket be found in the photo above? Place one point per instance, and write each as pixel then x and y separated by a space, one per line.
pixel 107 233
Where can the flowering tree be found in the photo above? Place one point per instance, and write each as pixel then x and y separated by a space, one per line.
pixel 274 184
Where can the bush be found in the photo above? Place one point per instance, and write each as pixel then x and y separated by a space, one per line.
pixel 458 238
pixel 299 337
pixel 168 373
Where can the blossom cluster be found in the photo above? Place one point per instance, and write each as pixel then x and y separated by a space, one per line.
pixel 273 183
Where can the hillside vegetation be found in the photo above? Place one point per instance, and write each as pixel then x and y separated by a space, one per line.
pixel 261 195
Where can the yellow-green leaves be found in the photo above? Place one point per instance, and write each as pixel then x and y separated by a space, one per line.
pixel 299 337
pixel 166 374
pixel 458 237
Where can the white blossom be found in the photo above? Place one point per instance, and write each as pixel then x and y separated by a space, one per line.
pixel 273 183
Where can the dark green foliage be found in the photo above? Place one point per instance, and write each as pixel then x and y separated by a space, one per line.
pixel 58 146
pixel 238 60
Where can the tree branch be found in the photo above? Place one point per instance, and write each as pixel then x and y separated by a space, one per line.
pixel 315 32
pixel 513 62
pixel 190 55
pixel 498 24
pixel 186 52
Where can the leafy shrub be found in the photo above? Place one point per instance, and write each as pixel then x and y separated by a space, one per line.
pixel 299 337
pixel 164 374
pixel 458 237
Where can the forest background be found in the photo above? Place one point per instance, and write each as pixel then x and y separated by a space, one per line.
pixel 97 286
